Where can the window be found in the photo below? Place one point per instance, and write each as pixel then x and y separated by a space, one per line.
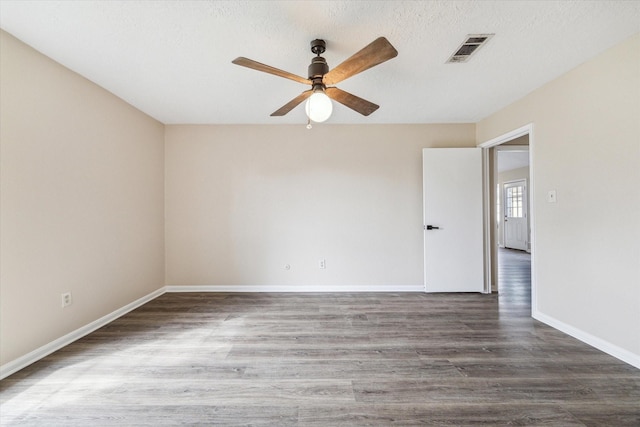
pixel 513 200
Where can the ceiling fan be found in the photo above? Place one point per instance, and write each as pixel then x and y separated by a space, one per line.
pixel 321 79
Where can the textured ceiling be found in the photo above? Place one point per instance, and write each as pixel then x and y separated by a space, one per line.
pixel 172 59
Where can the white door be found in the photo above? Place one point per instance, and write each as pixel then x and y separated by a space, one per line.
pixel 515 215
pixel 453 235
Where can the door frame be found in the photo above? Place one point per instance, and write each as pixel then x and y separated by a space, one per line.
pixel 489 230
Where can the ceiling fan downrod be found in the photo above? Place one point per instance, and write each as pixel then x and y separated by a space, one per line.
pixel 319 66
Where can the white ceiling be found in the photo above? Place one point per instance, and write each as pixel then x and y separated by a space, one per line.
pixel 172 59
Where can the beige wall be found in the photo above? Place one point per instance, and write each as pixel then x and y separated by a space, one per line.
pixel 244 201
pixel 586 146
pixel 81 206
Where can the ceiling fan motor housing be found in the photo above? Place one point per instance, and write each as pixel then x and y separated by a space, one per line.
pixel 318 68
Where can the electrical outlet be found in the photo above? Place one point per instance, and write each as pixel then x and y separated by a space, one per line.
pixel 66 299
pixel 322 264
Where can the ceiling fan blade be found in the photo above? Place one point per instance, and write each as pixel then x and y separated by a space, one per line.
pixel 249 63
pixel 292 104
pixel 376 52
pixel 360 105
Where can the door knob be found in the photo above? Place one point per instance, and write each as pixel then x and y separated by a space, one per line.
pixel 431 227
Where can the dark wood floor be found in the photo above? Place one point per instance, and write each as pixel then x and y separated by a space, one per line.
pixel 328 360
pixel 514 280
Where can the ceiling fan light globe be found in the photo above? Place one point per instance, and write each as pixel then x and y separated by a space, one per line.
pixel 318 107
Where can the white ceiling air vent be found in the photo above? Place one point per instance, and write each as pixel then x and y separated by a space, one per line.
pixel 471 45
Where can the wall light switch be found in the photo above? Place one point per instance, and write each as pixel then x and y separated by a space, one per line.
pixel 551 196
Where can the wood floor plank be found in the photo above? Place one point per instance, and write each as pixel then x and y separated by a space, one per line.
pixel 164 415
pixel 429 414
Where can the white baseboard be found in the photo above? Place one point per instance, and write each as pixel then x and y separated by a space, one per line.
pixel 37 354
pixel 611 349
pixel 287 288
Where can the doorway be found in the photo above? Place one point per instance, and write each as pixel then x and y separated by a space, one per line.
pixel 514 268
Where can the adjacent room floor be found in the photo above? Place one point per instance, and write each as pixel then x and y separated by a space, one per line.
pixel 326 360
pixel 514 279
